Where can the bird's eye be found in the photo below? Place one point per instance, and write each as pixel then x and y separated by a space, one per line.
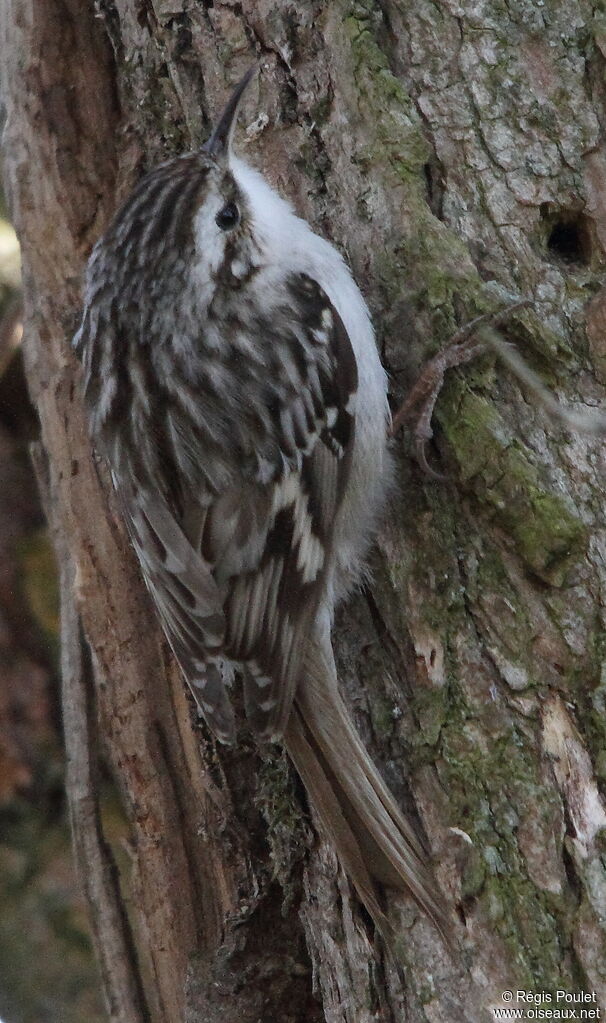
pixel 228 217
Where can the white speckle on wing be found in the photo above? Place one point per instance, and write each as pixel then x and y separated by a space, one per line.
pixel 310 558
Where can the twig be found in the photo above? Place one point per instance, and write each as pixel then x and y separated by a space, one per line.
pixel 591 421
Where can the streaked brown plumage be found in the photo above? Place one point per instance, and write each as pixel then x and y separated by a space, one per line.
pixel 234 387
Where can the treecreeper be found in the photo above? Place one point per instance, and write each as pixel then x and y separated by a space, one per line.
pixel 233 385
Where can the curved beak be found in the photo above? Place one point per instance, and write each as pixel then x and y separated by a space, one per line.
pixel 219 143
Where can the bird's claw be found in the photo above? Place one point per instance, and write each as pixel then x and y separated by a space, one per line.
pixel 420 403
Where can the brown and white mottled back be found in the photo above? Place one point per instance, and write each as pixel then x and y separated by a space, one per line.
pixel 234 386
pixel 221 383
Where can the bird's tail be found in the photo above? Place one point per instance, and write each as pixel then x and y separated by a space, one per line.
pixel 375 844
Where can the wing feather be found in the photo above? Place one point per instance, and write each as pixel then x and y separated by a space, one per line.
pixel 238 575
pixel 187 598
pixel 279 605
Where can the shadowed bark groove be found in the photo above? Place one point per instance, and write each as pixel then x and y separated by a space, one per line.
pixel 118 962
pixel 456 154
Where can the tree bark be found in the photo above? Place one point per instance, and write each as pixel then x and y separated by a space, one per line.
pixel 456 154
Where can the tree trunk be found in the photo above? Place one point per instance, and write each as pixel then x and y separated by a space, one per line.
pixel 456 154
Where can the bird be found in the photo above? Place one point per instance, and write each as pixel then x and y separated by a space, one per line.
pixel 233 385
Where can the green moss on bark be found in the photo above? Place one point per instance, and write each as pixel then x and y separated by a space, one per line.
pixel 547 532
pixel 287 832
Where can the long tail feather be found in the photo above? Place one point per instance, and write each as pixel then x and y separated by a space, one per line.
pixel 324 794
pixel 374 842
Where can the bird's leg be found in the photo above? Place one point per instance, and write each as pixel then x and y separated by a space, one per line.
pixel 419 405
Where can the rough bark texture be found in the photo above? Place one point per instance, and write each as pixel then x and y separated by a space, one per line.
pixel 43 916
pixel 456 153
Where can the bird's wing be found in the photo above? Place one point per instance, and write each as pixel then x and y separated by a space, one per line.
pixel 272 542
pixel 187 599
pixel 241 578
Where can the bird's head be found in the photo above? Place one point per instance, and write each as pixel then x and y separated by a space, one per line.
pixel 187 219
